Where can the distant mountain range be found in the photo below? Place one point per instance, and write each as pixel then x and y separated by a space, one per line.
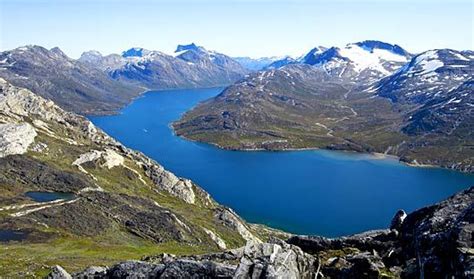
pixel 97 84
pixel 190 66
pixel 361 62
pixel 70 83
pixel 368 96
pixel 257 64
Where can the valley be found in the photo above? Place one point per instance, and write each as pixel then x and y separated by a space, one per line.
pixel 312 184
pixel 73 197
pixel 337 102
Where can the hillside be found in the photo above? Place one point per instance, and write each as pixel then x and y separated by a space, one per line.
pixel 71 84
pixel 96 84
pixel 432 242
pixel 76 197
pixel 420 113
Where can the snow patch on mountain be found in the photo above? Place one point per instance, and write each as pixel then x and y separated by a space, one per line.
pixel 363 59
pixel 428 61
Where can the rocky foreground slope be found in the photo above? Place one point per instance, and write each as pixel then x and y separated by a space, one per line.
pixel 432 242
pixel 113 203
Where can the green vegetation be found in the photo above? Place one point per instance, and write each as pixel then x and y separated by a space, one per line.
pixel 95 229
pixel 279 113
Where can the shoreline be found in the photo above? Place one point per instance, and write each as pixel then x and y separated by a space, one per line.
pixel 374 155
pixel 140 95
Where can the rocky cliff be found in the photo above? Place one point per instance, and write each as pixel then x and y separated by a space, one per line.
pixel 109 203
pixel 432 242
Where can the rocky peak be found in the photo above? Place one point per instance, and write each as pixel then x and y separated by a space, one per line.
pixel 135 52
pixel 91 54
pixel 437 60
pixel 191 46
pixel 370 45
pixel 92 57
pixel 282 62
pixel 59 52
pixel 312 56
pixel 429 75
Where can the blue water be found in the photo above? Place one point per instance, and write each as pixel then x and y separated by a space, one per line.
pixel 39 196
pixel 308 192
pixel 12 235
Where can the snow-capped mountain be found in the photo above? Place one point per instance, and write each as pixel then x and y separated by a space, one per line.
pixel 288 60
pixel 451 113
pixel 365 61
pixel 190 66
pixel 431 74
pixel 312 56
pixel 135 52
pixel 199 55
pixel 106 63
pixel 71 84
pixel 257 64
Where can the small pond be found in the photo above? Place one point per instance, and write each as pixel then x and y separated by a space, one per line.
pixel 39 196
pixel 12 235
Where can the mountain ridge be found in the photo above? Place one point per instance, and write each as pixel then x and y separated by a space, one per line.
pixel 307 106
pixel 119 199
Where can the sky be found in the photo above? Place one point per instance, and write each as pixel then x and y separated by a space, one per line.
pixel 252 28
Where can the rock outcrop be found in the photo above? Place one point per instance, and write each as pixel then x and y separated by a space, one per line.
pixel 432 242
pixel 121 200
pixel 265 260
pixel 15 138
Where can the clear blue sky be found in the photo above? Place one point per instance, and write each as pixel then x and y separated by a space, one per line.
pixel 240 27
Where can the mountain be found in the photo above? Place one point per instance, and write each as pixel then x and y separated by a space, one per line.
pixel 97 84
pixel 190 66
pixel 282 62
pixel 256 64
pixel 313 55
pixel 431 242
pixel 71 84
pixel 135 52
pixel 109 203
pixel 308 58
pixel 365 61
pixel 428 75
pixel 421 113
pixel 105 63
pixel 448 114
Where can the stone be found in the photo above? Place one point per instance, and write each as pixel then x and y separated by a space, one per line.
pixel 16 138
pixel 398 219
pixel 230 219
pixel 57 272
pixel 135 269
pixel 275 260
pixel 91 273
pixel 219 242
